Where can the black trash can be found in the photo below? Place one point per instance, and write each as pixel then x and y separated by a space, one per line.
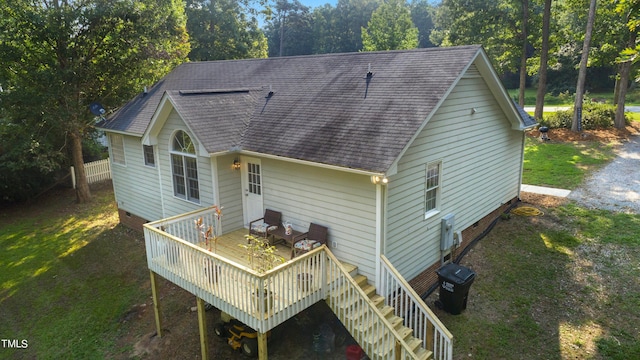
pixel 455 281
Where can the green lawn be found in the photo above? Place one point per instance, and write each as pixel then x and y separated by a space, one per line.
pixel 565 100
pixel 562 165
pixel 65 281
pixel 634 116
pixel 560 286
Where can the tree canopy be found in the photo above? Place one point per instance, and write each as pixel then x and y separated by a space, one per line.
pixel 390 28
pixel 222 30
pixel 59 56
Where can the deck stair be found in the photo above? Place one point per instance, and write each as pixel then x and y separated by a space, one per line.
pixel 353 310
pixel 391 322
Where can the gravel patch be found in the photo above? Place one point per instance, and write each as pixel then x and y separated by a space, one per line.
pixel 615 187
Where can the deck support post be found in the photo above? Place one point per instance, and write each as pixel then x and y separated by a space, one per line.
pixel 156 303
pixel 262 346
pixel 202 324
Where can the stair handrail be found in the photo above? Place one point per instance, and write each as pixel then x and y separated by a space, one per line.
pixel 400 345
pixel 409 305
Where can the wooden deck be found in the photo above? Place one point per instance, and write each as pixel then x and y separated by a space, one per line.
pixel 176 250
pixel 228 246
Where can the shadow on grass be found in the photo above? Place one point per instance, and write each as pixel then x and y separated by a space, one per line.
pixel 67 275
pixel 545 291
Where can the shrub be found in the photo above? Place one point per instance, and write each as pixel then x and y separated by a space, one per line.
pixel 594 116
pixel 558 120
pixel 597 116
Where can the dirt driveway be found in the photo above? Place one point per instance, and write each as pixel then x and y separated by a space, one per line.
pixel 616 187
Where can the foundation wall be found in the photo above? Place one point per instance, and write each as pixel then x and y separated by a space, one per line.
pixel 428 277
pixel 130 220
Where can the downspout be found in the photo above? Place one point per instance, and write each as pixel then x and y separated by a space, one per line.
pixel 213 162
pixel 380 232
pixel 524 138
pixel 162 207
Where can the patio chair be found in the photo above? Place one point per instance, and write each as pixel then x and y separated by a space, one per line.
pixel 315 237
pixel 271 220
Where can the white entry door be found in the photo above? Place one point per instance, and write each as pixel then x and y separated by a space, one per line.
pixel 252 187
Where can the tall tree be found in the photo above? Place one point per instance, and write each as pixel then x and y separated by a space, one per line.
pixel 352 16
pixel 422 13
pixel 625 73
pixel 325 35
pixel 631 10
pixel 289 30
pixel 525 46
pixel 576 124
pixel 390 28
pixel 495 24
pixel 544 60
pixel 221 29
pixel 64 54
pixel 339 28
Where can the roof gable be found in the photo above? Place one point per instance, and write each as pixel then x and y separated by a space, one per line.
pixel 322 108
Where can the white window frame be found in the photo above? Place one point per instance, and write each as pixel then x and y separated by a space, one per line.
pixel 432 190
pixel 149 161
pixel 185 159
pixel 116 142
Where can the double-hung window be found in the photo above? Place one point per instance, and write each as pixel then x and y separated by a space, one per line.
pixel 432 188
pixel 149 158
pixel 117 149
pixel 184 167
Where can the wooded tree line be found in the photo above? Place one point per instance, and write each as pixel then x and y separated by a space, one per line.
pixel 58 56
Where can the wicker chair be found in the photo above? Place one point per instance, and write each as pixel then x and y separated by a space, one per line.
pixel 270 221
pixel 315 237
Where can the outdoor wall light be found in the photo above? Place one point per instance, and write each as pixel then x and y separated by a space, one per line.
pixel 236 164
pixel 379 180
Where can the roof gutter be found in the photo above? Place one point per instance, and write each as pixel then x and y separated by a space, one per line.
pixel 522 127
pixel 301 162
pixel 118 132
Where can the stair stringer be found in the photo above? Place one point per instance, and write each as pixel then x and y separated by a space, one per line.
pixel 375 327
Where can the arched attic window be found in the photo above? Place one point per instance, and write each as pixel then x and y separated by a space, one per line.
pixel 184 167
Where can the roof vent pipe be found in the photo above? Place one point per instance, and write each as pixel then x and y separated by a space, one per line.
pixel 369 73
pixel 270 91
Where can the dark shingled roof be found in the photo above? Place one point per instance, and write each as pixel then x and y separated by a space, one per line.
pixel 527 119
pixel 323 108
pixel 218 118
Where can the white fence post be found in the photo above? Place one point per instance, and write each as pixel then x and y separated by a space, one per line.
pixel 73 177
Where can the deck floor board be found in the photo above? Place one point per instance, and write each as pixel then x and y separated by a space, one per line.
pixel 228 246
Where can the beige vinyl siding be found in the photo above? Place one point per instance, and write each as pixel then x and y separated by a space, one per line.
pixel 480 157
pixel 175 205
pixel 343 202
pixel 230 193
pixel 136 185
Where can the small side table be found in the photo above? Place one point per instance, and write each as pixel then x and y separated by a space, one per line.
pixel 281 234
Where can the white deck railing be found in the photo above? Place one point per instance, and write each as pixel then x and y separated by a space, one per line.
pixel 173 253
pixel 227 285
pixel 362 318
pixel 417 315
